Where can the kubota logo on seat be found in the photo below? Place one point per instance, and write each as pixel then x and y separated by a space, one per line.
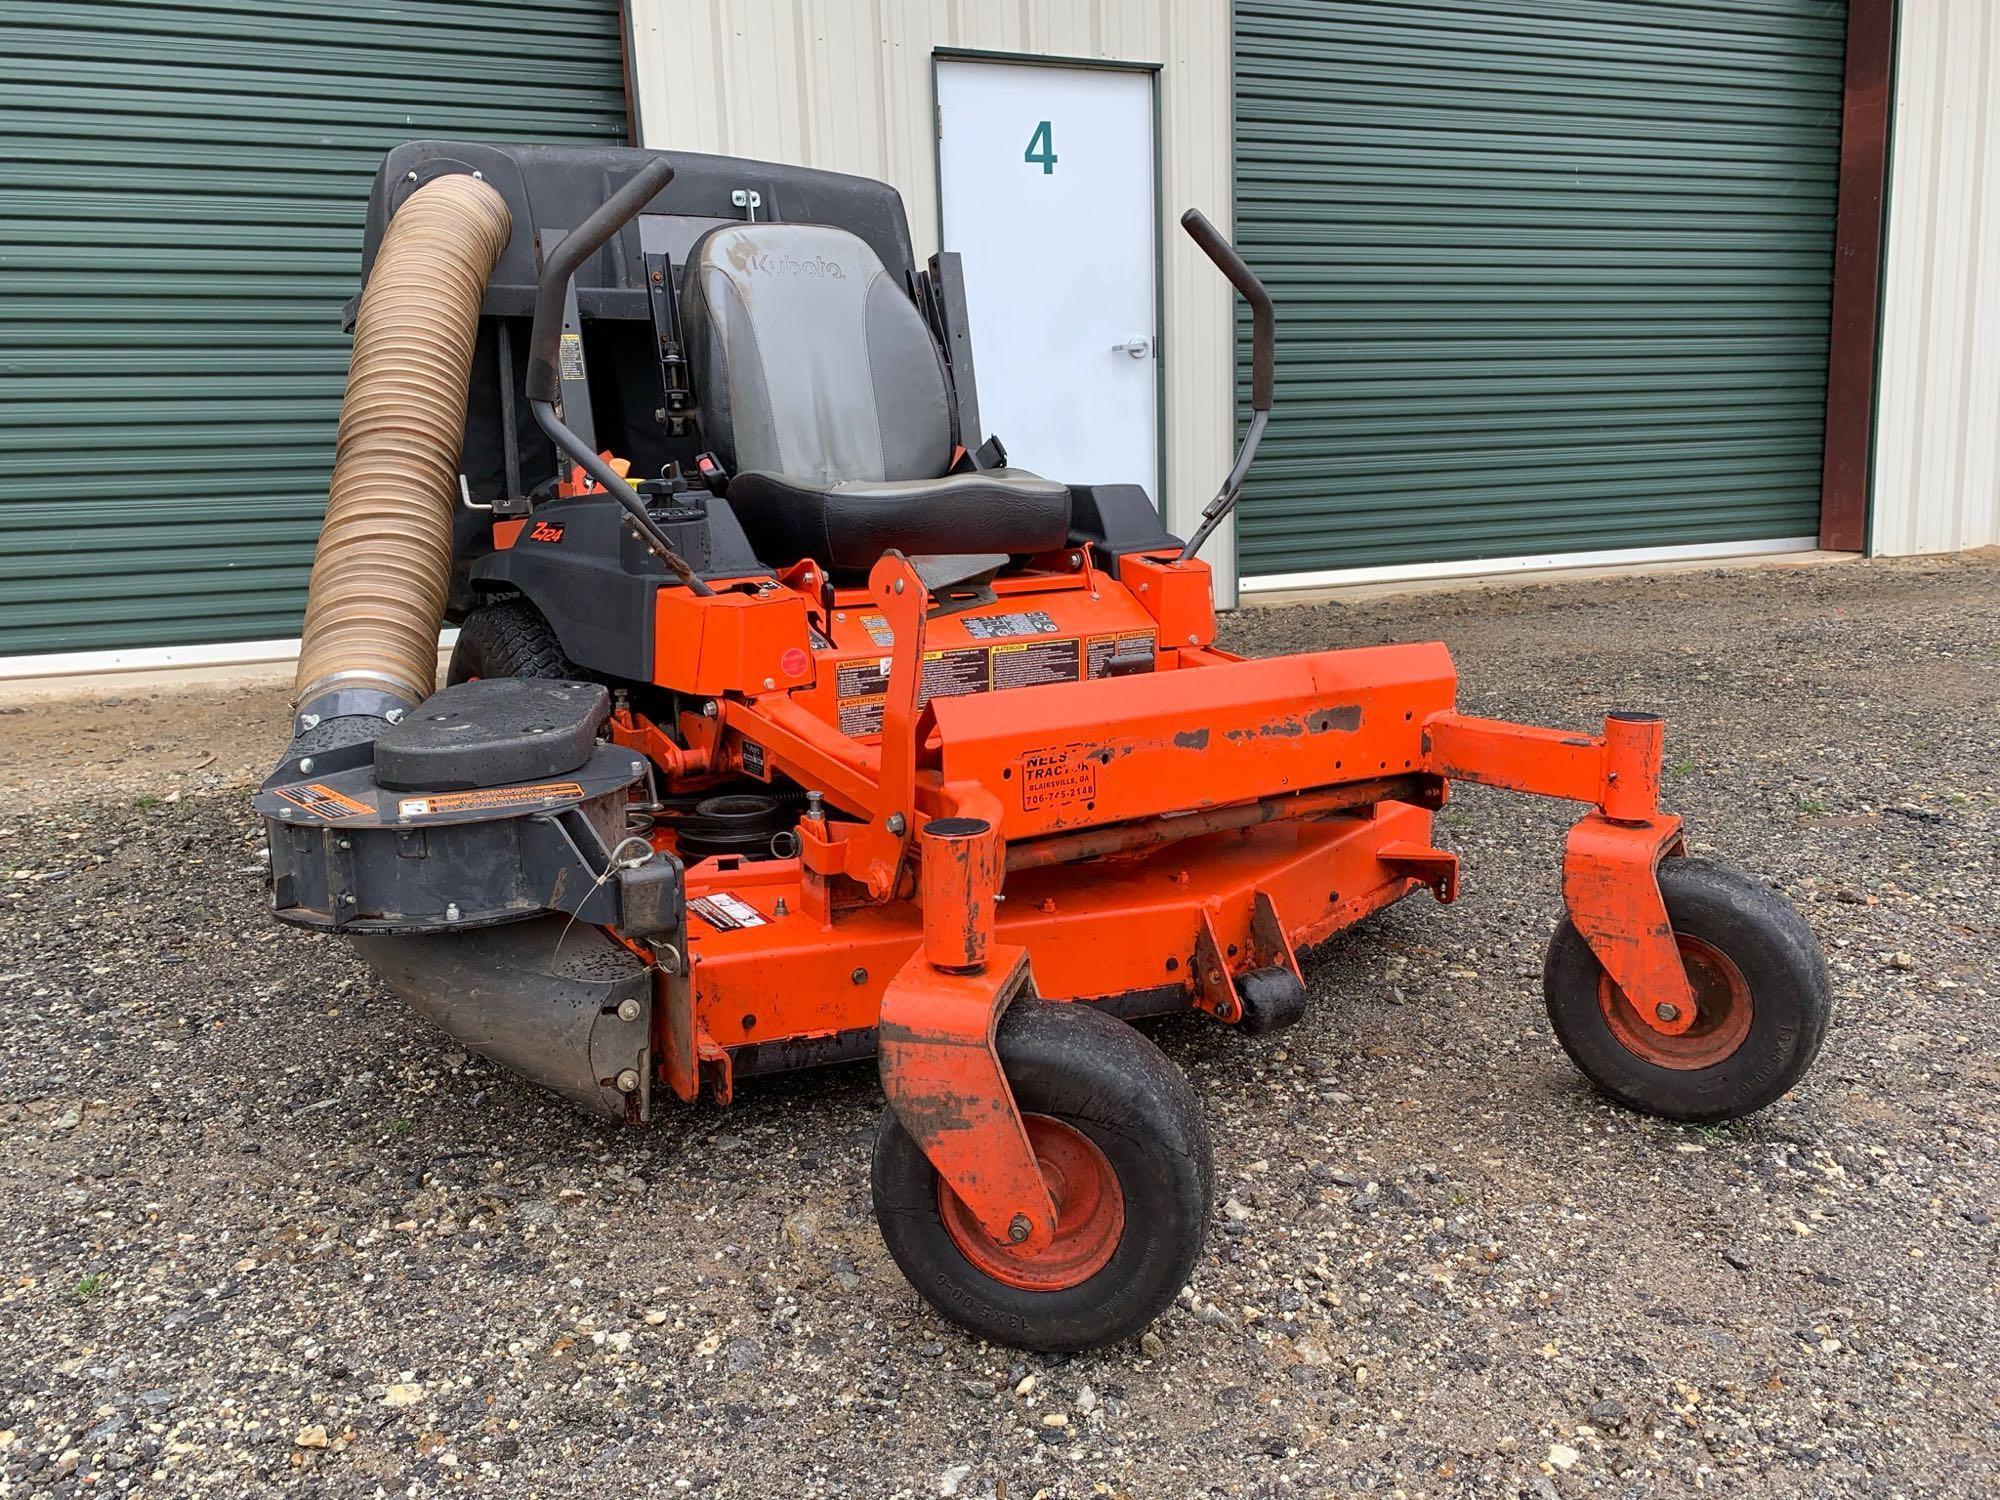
pixel 791 265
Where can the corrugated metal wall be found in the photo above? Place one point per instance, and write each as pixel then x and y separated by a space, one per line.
pixel 1553 276
pixel 846 85
pixel 182 185
pixel 1937 434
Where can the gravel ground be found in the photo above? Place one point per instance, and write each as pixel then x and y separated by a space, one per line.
pixel 262 1231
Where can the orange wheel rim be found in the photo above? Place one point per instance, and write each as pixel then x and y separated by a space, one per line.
pixel 1090 1215
pixel 1722 1012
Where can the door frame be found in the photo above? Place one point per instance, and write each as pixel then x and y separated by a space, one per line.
pixel 1860 266
pixel 1102 64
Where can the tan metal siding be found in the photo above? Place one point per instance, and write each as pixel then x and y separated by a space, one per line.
pixel 1937 444
pixel 846 85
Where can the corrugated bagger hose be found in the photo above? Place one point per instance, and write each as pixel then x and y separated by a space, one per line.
pixel 383 567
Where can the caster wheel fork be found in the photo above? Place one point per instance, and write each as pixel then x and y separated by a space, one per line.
pixel 1118 1137
pixel 1759 989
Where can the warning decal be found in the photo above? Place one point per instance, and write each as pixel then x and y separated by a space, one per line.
pixel 485 799
pixel 861 715
pixel 1057 777
pixel 725 913
pixel 858 689
pixel 1033 663
pixel 951 674
pixel 878 630
pixel 861 683
pixel 570 356
pixel 866 678
pixel 324 802
pixel 1103 647
pixel 1001 627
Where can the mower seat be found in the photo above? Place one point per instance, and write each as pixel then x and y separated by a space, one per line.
pixel 824 394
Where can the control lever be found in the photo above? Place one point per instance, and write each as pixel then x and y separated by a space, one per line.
pixel 1263 368
pixel 544 380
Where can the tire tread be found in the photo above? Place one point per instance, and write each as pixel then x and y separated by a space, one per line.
pixel 508 638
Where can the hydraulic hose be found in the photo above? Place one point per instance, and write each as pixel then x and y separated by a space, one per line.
pixel 383 568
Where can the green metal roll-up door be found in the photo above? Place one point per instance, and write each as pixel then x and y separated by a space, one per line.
pixel 182 186
pixel 1552 276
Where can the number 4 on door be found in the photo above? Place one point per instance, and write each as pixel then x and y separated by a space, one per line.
pixel 1042 148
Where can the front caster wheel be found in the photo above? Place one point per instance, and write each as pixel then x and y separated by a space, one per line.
pixel 1121 1143
pixel 1761 994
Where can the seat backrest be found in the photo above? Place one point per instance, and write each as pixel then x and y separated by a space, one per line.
pixel 809 360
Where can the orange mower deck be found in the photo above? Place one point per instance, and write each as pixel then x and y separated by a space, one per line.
pixel 1158 836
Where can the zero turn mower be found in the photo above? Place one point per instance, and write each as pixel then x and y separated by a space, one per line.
pixel 788 723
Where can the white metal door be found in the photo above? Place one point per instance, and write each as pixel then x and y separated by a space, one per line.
pixel 1046 181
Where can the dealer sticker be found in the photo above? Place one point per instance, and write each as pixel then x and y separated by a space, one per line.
pixel 1057 777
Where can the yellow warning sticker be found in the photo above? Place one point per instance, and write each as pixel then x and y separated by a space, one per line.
pixel 861 715
pixel 485 799
pixel 1135 648
pixel 1033 663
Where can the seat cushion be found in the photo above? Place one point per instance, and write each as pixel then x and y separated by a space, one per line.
pixel 809 359
pixel 851 524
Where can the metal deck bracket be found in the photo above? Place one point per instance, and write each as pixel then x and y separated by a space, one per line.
pixel 1214 987
pixel 1216 990
pixel 1270 947
pixel 1436 868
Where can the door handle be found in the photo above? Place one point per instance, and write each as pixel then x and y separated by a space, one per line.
pixel 1138 347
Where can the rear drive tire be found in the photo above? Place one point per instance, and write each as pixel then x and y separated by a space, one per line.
pixel 1120 1137
pixel 1762 1002
pixel 508 639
